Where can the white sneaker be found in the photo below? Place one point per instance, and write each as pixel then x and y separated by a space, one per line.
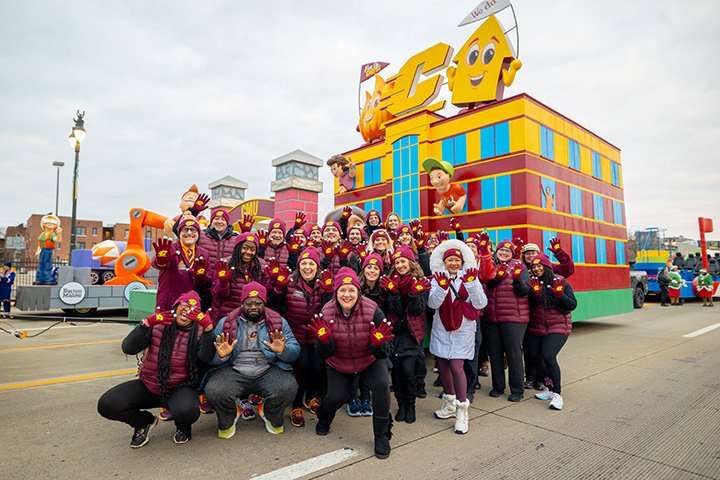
pixel 546 394
pixel 461 420
pixel 448 407
pixel 557 402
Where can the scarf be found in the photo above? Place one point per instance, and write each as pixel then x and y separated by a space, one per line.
pixel 452 310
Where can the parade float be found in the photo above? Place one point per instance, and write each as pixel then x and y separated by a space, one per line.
pixel 528 170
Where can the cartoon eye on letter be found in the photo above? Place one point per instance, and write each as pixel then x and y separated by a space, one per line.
pixel 472 55
pixel 488 53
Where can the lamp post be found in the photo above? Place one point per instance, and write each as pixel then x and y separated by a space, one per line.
pixel 57 185
pixel 76 136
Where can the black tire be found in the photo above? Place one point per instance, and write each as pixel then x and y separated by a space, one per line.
pixel 638 297
pixel 94 277
pixel 107 275
pixel 79 312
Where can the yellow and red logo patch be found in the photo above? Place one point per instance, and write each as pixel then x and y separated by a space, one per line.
pixel 192 302
pixel 346 280
pixel 253 293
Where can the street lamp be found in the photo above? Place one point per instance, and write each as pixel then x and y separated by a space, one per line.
pixel 76 136
pixel 57 185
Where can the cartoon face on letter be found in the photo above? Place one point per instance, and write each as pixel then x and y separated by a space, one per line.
pixel 373 116
pixel 480 65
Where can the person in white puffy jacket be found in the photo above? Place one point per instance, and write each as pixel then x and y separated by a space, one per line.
pixel 458 298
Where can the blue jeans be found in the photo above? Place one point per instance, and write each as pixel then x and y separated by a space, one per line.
pixel 44 270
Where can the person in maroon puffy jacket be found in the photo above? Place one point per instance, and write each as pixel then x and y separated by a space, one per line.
pixel 354 338
pixel 175 341
pixel 551 302
pixel 183 266
pixel 298 297
pixel 219 238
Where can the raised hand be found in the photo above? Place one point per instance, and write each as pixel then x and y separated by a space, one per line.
pixel 326 281
pixel 163 251
pixel 421 240
pixel 247 223
pixel 380 334
pixel 202 319
pixel 300 219
pixel 277 341
pixel 361 250
pixel 273 268
pixel 516 272
pixel 484 243
pixel 455 224
pixel 200 203
pixel 470 275
pixel 222 270
pixel 294 245
pixel 442 236
pixel 535 286
pixel 198 271
pixel 282 279
pixel 442 280
pixel 419 286
pixel 344 250
pixel 159 318
pixel 414 227
pixel 262 238
pixel 517 245
pixel 327 249
pixel 554 245
pixel 502 271
pixel 558 287
pixel 321 330
pixel 387 283
pixel 222 346
pixel 347 211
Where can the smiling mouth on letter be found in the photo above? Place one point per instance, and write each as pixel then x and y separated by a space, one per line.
pixel 475 81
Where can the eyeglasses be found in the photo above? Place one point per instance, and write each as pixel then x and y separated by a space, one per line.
pixel 188 230
pixel 253 303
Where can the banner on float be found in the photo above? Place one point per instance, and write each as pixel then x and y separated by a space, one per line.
pixel 484 10
pixel 370 69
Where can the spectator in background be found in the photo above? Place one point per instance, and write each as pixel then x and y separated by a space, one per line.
pixel 678 261
pixel 7 278
pixel 663 282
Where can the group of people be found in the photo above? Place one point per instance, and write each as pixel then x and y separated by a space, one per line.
pixel 307 317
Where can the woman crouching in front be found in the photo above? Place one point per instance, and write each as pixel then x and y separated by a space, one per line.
pixel 175 340
pixel 352 336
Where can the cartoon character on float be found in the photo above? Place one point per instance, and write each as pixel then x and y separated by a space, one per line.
pixel 344 170
pixel 192 203
pixel 452 195
pixel 373 117
pixel 50 236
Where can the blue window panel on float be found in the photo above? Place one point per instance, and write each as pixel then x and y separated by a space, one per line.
pixel 596 165
pixel 415 202
pixel 460 144
pixel 617 213
pixel 502 138
pixel 578 248
pixel 465 207
pixel 487 187
pixel 620 252
pixel 414 182
pixel 574 154
pixel 448 150
pixel 576 201
pixel 495 140
pixel 547 142
pixel 548 193
pixel 601 251
pixel 503 234
pixel 372 172
pixel 615 171
pixel 503 191
pixel 599 207
pixel 406 198
pixel 496 192
pixel 487 142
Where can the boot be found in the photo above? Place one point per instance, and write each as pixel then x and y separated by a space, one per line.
pixel 382 430
pixel 410 410
pixel 448 407
pixel 461 419
pixel 324 420
pixel 400 415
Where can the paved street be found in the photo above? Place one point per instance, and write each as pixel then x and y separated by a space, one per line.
pixel 641 401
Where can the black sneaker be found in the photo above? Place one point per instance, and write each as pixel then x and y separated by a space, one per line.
pixel 515 397
pixel 182 436
pixel 142 434
pixel 495 392
pixel 322 428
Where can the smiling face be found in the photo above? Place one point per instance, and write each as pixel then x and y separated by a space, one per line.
pixel 528 255
pixel 316 235
pixel 331 234
pixel 308 269
pixel 347 297
pixel 538 270
pixel 247 251
pixel 181 314
pixel 372 272
pixel 373 220
pixel 372 116
pixel 440 179
pixel 472 246
pixel 393 221
pixel 479 64
pixel 219 224
pixel 504 254
pixel 276 237
pixel 188 236
pixel 355 236
pixel 402 265
pixel 380 244
pixel 453 264
pixel 405 238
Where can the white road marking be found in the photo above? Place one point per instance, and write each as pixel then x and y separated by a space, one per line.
pixel 702 330
pixel 74 326
pixel 311 465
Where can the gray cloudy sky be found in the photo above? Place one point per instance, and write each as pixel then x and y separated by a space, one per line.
pixel 178 92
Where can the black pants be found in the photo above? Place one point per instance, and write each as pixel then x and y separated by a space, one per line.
pixel 664 296
pixel 543 351
pixel 125 403
pixel 472 367
pixel 403 378
pixel 375 376
pixel 505 338
pixel 357 382
pixel 309 371
pixel 420 368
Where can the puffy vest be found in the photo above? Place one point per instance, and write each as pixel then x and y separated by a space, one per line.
pixel 545 318
pixel 178 359
pixel 351 336
pixel 415 323
pixel 503 305
pixel 226 297
pixel 273 320
pixel 217 249
pixel 280 253
pixel 175 280
pixel 300 306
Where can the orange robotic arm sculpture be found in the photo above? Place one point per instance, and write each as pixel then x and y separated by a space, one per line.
pixel 134 261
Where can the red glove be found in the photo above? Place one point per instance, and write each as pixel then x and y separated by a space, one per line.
pixel 273 268
pixel 404 283
pixel 517 245
pixel 321 330
pixel 381 333
pixel 300 219
pixel 282 279
pixel 414 227
pixel 470 275
pixel 442 236
pixel 247 223
pixel 344 250
pixel 347 211
pixel 326 281
pixel 516 272
pixel 554 245
pixel 502 271
pixel 558 287
pixel 421 239
pixel 455 224
pixel 262 238
pixel 200 203
pixel 484 243
pixel 361 250
pixel 442 280
pixel 327 249
pixel 222 270
pixel 386 283
pixel 535 286
pixel 197 316
pixel 198 271
pixel 419 286
pixel 163 252
pixel 159 318
pixel 294 245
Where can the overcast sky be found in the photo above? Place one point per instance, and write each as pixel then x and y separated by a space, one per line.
pixel 177 92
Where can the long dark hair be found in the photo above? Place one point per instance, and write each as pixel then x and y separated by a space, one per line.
pixel 236 261
pixel 167 344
